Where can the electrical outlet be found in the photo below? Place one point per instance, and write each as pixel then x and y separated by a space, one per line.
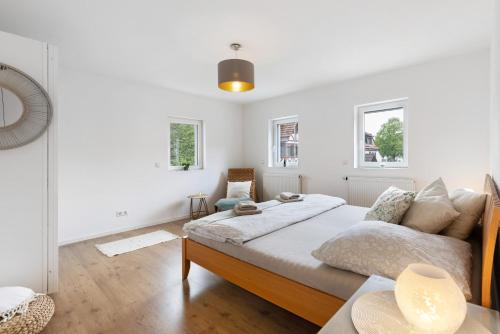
pixel 121 213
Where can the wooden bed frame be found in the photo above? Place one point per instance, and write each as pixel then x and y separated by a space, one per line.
pixel 491 220
pixel 312 304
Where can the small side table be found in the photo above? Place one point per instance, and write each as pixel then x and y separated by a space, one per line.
pixel 202 206
pixel 341 322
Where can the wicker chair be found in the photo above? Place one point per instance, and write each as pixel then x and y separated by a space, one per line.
pixel 238 175
pixel 33 321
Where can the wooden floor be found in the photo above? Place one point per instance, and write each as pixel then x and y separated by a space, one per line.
pixel 142 292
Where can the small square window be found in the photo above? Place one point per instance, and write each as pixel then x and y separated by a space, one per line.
pixel 186 143
pixel 284 142
pixel 382 134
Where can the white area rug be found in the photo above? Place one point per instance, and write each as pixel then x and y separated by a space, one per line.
pixel 134 243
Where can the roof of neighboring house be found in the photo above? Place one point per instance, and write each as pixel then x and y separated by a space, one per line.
pixel 371 148
pixel 287 130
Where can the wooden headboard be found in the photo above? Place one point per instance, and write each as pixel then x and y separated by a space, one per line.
pixel 491 220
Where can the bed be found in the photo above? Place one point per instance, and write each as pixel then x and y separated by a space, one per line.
pixel 279 268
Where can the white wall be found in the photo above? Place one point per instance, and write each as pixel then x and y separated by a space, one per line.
pixel 27 245
pixel 114 131
pixel 448 124
pixel 112 134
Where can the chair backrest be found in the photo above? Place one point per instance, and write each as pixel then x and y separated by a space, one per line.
pixel 243 174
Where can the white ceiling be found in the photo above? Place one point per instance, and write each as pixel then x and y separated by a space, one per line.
pixel 294 44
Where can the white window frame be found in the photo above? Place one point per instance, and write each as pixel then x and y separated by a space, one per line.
pixel 199 142
pixel 273 139
pixel 359 133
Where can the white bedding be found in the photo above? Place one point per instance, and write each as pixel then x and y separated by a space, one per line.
pixel 287 252
pixel 226 227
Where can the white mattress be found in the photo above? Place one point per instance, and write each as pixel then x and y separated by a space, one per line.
pixel 287 252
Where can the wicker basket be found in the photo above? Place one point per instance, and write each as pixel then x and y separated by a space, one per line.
pixel 34 320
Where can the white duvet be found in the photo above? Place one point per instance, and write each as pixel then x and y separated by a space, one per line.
pixel 227 227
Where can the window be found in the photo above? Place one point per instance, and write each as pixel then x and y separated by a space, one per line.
pixel 382 134
pixel 284 142
pixel 186 143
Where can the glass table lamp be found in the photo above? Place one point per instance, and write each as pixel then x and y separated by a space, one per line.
pixel 429 299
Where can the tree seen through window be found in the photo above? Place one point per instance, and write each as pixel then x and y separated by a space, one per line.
pixel 384 136
pixel 183 144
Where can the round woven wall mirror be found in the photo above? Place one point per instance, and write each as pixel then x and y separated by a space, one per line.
pixel 25 108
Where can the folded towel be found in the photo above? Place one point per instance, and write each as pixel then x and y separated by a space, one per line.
pixel 239 212
pixel 245 209
pixel 14 300
pixel 288 195
pixel 297 199
pixel 247 205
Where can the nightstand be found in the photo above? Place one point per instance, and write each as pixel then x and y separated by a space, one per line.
pixel 341 322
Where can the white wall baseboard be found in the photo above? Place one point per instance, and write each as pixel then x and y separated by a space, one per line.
pixel 120 230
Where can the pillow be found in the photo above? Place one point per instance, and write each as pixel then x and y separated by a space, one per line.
pixel 391 205
pixel 224 204
pixel 238 189
pixel 432 210
pixel 471 206
pixel 376 247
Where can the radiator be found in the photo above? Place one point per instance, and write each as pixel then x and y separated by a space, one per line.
pixel 363 191
pixel 274 184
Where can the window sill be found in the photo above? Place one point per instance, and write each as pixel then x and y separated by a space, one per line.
pixel 381 168
pixel 191 169
pixel 284 168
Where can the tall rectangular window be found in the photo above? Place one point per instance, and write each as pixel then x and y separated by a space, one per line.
pixel 186 143
pixel 382 134
pixel 284 133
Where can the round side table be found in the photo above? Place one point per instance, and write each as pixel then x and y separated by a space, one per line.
pixel 202 206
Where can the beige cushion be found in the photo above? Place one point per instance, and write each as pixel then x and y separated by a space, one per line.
pixel 238 189
pixel 431 210
pixel 471 206
pixel 379 248
pixel 391 205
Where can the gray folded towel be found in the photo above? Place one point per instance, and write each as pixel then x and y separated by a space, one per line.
pixel 240 212
pixel 247 205
pixel 288 196
pixel 298 199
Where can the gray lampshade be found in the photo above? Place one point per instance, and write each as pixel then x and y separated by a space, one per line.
pixel 236 75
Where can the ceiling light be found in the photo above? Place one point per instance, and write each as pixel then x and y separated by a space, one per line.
pixel 236 75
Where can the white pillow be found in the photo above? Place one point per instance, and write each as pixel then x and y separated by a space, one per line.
pixel 391 205
pixel 380 248
pixel 238 189
pixel 471 206
pixel 432 210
